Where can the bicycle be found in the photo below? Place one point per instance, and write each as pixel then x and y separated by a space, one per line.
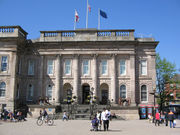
pixel 49 121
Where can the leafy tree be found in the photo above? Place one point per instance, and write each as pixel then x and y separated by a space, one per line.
pixel 165 70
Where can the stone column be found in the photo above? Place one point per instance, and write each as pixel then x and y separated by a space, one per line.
pixel 75 68
pixel 13 67
pixel 57 90
pixel 94 74
pixel 40 70
pixel 113 80
pixel 132 81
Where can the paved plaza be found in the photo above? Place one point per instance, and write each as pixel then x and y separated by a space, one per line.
pixel 82 127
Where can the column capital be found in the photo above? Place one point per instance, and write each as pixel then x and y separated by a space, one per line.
pixel 94 55
pixel 113 55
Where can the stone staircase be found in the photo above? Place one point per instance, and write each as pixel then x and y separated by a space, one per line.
pixel 83 112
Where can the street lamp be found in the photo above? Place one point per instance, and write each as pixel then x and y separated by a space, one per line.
pixel 69 98
pixel 154 94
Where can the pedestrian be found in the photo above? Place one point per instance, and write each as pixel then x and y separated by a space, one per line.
pixel 157 117
pixel 105 116
pixel 171 118
pixel 166 118
pixel 65 116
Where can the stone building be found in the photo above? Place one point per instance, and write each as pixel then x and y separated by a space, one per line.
pixel 112 64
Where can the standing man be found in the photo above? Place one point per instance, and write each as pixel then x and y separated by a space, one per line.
pixel 104 119
pixel 171 118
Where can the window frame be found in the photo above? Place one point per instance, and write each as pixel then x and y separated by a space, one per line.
pixel 2 63
pixel 103 66
pixel 124 67
pixel 120 91
pixel 70 63
pixel 88 67
pixel 48 67
pixel 33 67
pixel 146 93
pixel 3 89
pixel 142 67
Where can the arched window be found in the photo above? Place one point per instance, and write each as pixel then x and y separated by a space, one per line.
pixel 30 92
pixel 123 91
pixel 49 92
pixel 2 89
pixel 143 93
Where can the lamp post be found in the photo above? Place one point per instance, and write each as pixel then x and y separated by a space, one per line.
pixel 69 98
pixel 154 93
pixel 91 101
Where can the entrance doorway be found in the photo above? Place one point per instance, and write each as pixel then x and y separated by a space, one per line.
pixel 85 93
pixel 104 96
pixel 104 89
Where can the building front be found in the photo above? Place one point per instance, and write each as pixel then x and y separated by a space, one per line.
pixel 111 64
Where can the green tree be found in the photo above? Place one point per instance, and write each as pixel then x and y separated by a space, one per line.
pixel 165 70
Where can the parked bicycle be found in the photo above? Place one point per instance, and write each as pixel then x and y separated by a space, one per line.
pixel 48 120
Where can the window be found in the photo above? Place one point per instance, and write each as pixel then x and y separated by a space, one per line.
pixel 49 92
pixel 2 89
pixel 104 67
pixel 122 67
pixel 143 93
pixel 123 91
pixel 4 63
pixel 143 67
pixel 67 67
pixel 31 67
pixel 85 67
pixel 30 92
pixel 50 67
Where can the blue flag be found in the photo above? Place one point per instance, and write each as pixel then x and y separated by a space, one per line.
pixel 103 14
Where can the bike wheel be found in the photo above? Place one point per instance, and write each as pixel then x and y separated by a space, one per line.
pixel 50 122
pixel 39 122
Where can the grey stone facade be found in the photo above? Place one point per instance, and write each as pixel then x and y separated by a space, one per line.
pixel 83 44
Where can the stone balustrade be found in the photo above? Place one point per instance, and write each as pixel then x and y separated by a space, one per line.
pixel 12 31
pixel 87 35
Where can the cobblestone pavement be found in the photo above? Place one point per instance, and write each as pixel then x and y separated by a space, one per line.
pixel 82 127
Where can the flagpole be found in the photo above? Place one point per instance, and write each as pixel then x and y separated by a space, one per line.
pixel 98 19
pixel 87 15
pixel 75 21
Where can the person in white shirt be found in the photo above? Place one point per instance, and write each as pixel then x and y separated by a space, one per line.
pixel 105 119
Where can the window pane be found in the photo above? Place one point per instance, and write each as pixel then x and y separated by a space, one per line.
pixel 50 67
pixel 49 92
pixel 2 89
pixel 122 67
pixel 31 67
pixel 144 67
pixel 67 67
pixel 104 67
pixel 143 93
pixel 4 63
pixel 85 67
pixel 123 91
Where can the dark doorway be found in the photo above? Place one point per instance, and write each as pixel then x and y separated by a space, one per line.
pixel 85 93
pixel 104 97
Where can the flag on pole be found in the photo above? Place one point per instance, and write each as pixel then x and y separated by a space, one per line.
pixel 76 16
pixel 89 7
pixel 103 14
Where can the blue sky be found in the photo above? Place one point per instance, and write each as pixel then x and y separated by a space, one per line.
pixel 159 18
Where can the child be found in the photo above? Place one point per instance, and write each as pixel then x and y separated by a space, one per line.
pixel 65 116
pixel 94 124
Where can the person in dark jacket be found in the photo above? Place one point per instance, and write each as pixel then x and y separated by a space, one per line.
pixel 166 118
pixel 171 118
